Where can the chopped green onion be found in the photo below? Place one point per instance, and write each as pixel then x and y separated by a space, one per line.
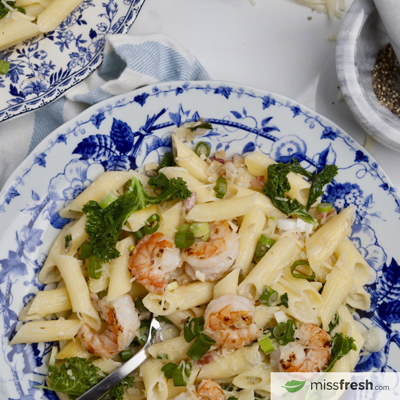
pixel 203 148
pixel 130 248
pixel 125 355
pixel 138 234
pixel 324 207
pixel 220 188
pixel 143 333
pixel 86 250
pixel 4 67
pixel 284 332
pixel 263 246
pixel 102 294
pixel 200 346
pixel 181 375
pixel 203 125
pixel 272 218
pixel 161 318
pixel 301 276
pixel 162 356
pixel 266 344
pixel 266 240
pixel 95 267
pixel 168 369
pixel 200 229
pixel 184 239
pixel 284 301
pixel 107 200
pixel 150 227
pixel 67 238
pixel 183 228
pixel 192 327
pixel 269 296
pixel 139 305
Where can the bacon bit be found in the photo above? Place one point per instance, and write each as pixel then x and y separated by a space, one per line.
pixel 207 358
pixel 258 182
pixel 190 202
pixel 220 160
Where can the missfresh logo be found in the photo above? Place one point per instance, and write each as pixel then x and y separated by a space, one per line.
pixel 335 385
pixel 346 385
pixel 294 386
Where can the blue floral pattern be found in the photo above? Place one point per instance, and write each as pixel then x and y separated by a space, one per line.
pixel 43 68
pixel 134 129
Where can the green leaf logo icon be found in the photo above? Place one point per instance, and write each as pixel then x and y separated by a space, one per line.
pixel 294 386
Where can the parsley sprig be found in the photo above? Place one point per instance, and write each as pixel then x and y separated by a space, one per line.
pixel 104 225
pixel 278 185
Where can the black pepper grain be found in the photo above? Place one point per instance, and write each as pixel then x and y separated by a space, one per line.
pixel 386 78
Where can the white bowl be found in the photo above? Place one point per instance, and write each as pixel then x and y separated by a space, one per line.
pixel 361 37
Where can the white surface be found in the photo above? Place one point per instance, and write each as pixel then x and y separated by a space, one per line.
pixel 271 46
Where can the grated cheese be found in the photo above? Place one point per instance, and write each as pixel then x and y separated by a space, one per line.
pixel 333 8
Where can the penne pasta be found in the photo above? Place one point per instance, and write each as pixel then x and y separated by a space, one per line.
pixel 47 331
pixel 120 277
pixel 55 13
pixel 73 349
pixel 337 288
pixel 182 298
pixel 78 291
pixel 188 159
pixel 232 364
pixel 105 183
pixel 228 284
pixel 175 349
pixel 50 302
pixel 49 272
pixel 222 210
pixel 321 245
pixel 250 232
pixel 281 254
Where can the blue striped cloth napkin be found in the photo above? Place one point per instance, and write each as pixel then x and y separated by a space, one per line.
pixel 129 62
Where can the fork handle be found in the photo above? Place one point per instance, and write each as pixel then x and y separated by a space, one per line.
pixel 104 386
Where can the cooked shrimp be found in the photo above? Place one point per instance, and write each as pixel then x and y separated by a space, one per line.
pixel 309 353
pixel 207 390
pixel 215 256
pixel 150 262
pixel 123 324
pixel 210 390
pixel 229 321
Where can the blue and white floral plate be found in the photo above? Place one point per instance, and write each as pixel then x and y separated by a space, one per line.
pixel 45 67
pixel 133 129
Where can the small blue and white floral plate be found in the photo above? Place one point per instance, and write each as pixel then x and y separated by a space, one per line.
pixel 133 129
pixel 45 67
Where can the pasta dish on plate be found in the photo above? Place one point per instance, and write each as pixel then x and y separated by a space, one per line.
pixel 23 19
pixel 244 267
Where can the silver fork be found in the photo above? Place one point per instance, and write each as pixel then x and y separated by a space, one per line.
pixel 104 386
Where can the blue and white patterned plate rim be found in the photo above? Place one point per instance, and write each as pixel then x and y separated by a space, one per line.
pixel 39 74
pixel 42 147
